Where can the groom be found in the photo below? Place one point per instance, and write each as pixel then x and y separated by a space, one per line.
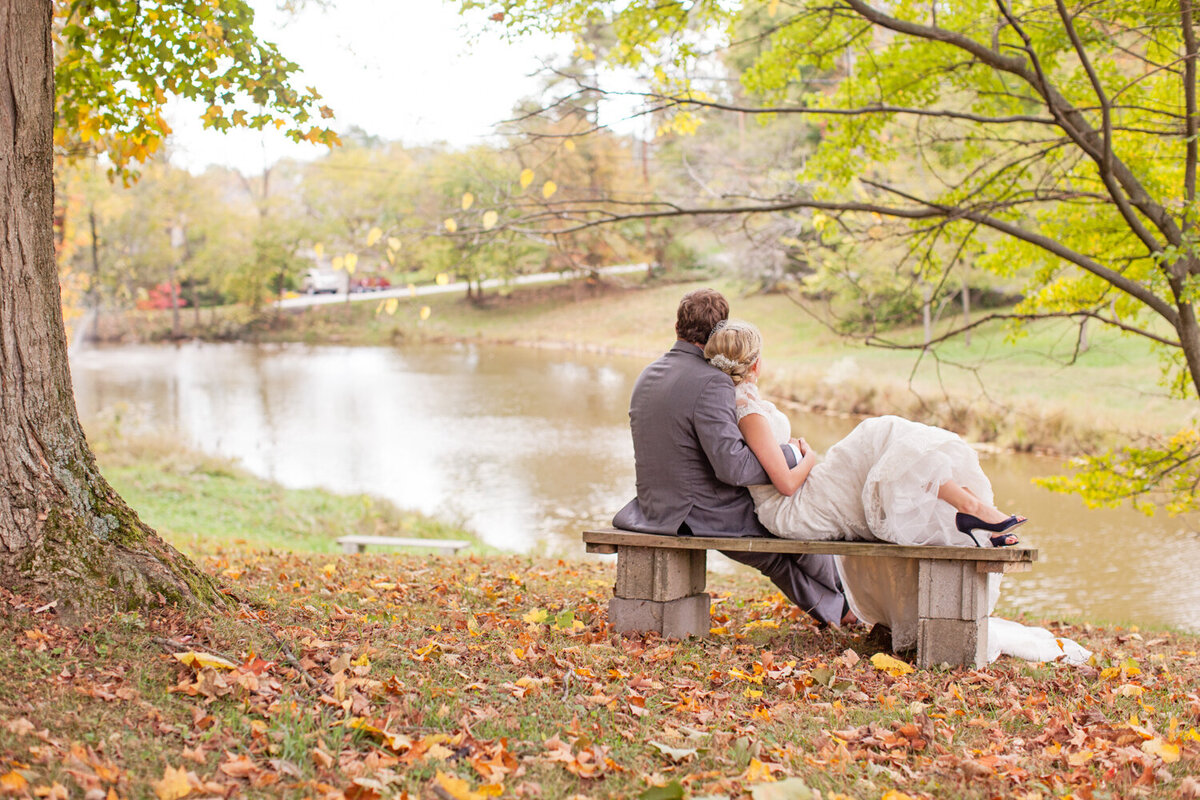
pixel 693 464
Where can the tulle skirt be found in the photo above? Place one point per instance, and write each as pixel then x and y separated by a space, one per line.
pixel 880 483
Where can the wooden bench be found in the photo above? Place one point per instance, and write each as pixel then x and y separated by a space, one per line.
pixel 661 579
pixel 358 543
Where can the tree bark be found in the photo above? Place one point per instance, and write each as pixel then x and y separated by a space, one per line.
pixel 65 534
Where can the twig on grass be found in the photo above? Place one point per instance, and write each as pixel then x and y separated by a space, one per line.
pixel 290 657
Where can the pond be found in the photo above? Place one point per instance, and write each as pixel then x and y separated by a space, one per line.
pixel 527 447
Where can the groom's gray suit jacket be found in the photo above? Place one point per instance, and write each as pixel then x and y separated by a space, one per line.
pixel 693 466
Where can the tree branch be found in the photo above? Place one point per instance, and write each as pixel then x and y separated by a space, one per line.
pixel 1097 87
pixel 1120 181
pixel 1189 94
pixel 961 329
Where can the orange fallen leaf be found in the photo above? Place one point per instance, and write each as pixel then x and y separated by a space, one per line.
pixel 174 784
pixel 457 788
pixel 757 772
pixel 13 782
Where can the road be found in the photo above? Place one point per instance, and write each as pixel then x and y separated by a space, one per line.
pixel 457 286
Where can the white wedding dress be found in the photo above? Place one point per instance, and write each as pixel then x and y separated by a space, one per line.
pixel 880 483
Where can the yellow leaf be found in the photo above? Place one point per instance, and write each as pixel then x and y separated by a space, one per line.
pixel 441 279
pixel 569 145
pixel 361 661
pixel 760 623
pixel 391 305
pixel 174 784
pixel 548 189
pixel 757 771
pixel 773 8
pixel 198 660
pixel 892 666
pixel 351 262
pixel 456 787
pixel 893 794
pixel 318 249
pixel 537 616
pixel 336 263
pixel 438 752
pixel 425 312
pixel 13 782
pixel 1080 758
pixel 412 290
pixel 489 220
pixel 753 694
pixel 450 224
pixel 526 177
pixel 373 236
pixel 468 200
pixel 1169 753
pixel 393 243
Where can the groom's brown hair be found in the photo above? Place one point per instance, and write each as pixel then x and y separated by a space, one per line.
pixel 699 312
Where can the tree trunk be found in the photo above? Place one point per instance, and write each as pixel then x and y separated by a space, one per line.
pixel 64 533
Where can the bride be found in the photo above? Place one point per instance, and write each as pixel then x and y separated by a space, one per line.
pixel 889 480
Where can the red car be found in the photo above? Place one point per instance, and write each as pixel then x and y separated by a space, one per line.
pixel 371 283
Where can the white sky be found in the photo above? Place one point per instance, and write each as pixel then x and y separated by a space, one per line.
pixel 400 69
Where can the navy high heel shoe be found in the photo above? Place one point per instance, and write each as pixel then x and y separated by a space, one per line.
pixel 999 531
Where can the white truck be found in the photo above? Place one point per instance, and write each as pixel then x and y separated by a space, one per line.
pixel 318 281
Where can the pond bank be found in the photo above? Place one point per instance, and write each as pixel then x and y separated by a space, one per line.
pixel 1005 394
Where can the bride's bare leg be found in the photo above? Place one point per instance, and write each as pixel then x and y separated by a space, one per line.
pixel 964 500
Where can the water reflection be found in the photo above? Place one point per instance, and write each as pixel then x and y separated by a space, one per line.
pixel 526 447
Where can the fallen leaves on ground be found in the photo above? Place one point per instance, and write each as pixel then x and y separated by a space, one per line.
pixel 404 676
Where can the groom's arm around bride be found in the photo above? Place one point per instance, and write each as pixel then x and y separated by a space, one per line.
pixel 693 465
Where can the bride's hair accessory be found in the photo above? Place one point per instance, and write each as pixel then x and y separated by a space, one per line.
pixel 720 326
pixel 723 362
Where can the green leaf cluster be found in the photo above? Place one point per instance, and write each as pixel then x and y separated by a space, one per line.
pixel 118 62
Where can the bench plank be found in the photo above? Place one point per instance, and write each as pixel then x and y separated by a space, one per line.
pixel 359 543
pixel 600 541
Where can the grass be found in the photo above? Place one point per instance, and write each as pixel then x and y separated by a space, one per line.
pixel 201 503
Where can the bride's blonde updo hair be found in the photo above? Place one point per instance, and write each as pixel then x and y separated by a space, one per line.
pixel 734 348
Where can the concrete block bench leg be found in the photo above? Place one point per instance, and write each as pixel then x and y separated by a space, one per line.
pixel 952 614
pixel 660 590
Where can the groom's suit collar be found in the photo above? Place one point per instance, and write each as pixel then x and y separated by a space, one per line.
pixel 687 347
